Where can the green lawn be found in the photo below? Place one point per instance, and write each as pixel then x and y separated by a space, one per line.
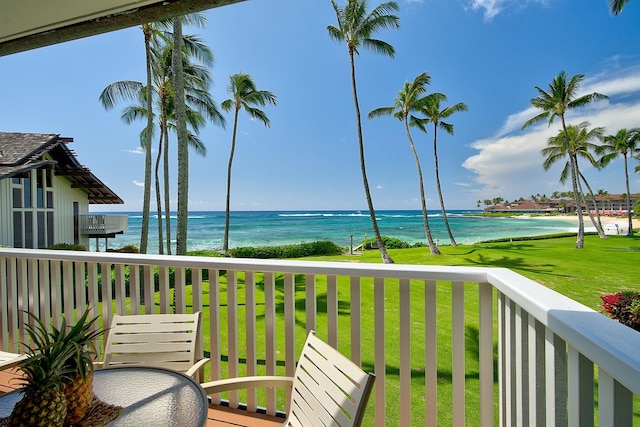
pixel 603 266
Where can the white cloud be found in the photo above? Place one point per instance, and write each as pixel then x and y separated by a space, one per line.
pixel 137 150
pixel 379 187
pixel 138 183
pixel 494 7
pixel 509 164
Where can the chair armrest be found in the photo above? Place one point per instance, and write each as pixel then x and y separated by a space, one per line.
pixel 242 383
pixel 196 367
pixel 10 360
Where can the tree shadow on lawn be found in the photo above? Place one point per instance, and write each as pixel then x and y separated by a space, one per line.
pixel 514 263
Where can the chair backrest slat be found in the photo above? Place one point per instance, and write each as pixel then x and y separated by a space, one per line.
pixel 162 340
pixel 328 389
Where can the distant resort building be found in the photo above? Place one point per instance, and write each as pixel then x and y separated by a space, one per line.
pixel 609 204
pixel 45 194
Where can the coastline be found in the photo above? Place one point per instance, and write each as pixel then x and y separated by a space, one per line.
pixel 573 219
pixel 277 228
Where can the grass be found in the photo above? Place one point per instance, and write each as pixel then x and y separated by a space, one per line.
pixel 603 266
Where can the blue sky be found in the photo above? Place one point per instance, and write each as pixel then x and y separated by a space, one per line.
pixel 487 53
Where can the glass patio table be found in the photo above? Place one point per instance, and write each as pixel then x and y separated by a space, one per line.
pixel 150 397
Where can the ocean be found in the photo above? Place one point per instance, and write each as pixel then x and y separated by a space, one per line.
pixel 272 228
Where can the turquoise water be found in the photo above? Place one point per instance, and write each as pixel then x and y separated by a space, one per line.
pixel 206 229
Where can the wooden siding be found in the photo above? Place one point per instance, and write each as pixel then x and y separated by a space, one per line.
pixel 6 221
pixel 63 198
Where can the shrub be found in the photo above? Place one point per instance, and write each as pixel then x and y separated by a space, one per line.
pixel 623 307
pixel 67 247
pixel 128 249
pixel 321 247
pixel 389 243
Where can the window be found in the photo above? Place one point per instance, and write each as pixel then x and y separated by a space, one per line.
pixel 33 216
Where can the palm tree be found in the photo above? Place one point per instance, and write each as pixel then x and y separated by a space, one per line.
pixel 560 98
pixel 355 28
pixel 244 95
pixel 617 5
pixel 410 100
pixel 434 114
pixel 580 145
pixel 625 142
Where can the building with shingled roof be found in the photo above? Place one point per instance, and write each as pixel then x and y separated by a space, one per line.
pixel 45 194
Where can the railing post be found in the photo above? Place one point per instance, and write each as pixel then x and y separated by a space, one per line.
pixel 405 352
pixel 486 355
pixel 458 363
pixel 380 364
pixel 430 353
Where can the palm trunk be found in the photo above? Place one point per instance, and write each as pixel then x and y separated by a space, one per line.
pixel 146 201
pixel 225 241
pixel 596 223
pixel 183 147
pixel 576 194
pixel 158 195
pixel 629 215
pixel 167 197
pixel 374 223
pixel 444 211
pixel 425 216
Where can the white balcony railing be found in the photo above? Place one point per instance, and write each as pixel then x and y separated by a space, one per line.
pixel 550 349
pixel 100 225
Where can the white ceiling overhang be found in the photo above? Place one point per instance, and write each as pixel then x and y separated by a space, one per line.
pixel 29 24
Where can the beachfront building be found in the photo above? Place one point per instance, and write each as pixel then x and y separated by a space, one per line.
pixel 45 194
pixel 608 204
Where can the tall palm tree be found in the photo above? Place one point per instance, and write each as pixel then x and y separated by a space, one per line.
pixel 617 5
pixel 200 106
pixel 560 98
pixel 130 91
pixel 434 114
pixel 356 28
pixel 244 95
pixel 625 142
pixel 580 145
pixel 410 100
pixel 180 102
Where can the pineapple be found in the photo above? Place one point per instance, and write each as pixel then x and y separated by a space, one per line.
pixel 57 374
pixel 78 389
pixel 44 369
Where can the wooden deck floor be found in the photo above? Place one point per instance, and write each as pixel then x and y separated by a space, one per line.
pixel 219 416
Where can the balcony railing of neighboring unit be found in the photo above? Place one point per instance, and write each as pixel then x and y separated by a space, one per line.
pixel 547 348
pixel 103 224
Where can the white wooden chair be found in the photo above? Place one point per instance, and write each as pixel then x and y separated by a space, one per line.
pixel 10 360
pixel 162 340
pixel 327 389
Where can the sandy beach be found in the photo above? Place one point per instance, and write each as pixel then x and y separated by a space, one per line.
pixel 606 220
